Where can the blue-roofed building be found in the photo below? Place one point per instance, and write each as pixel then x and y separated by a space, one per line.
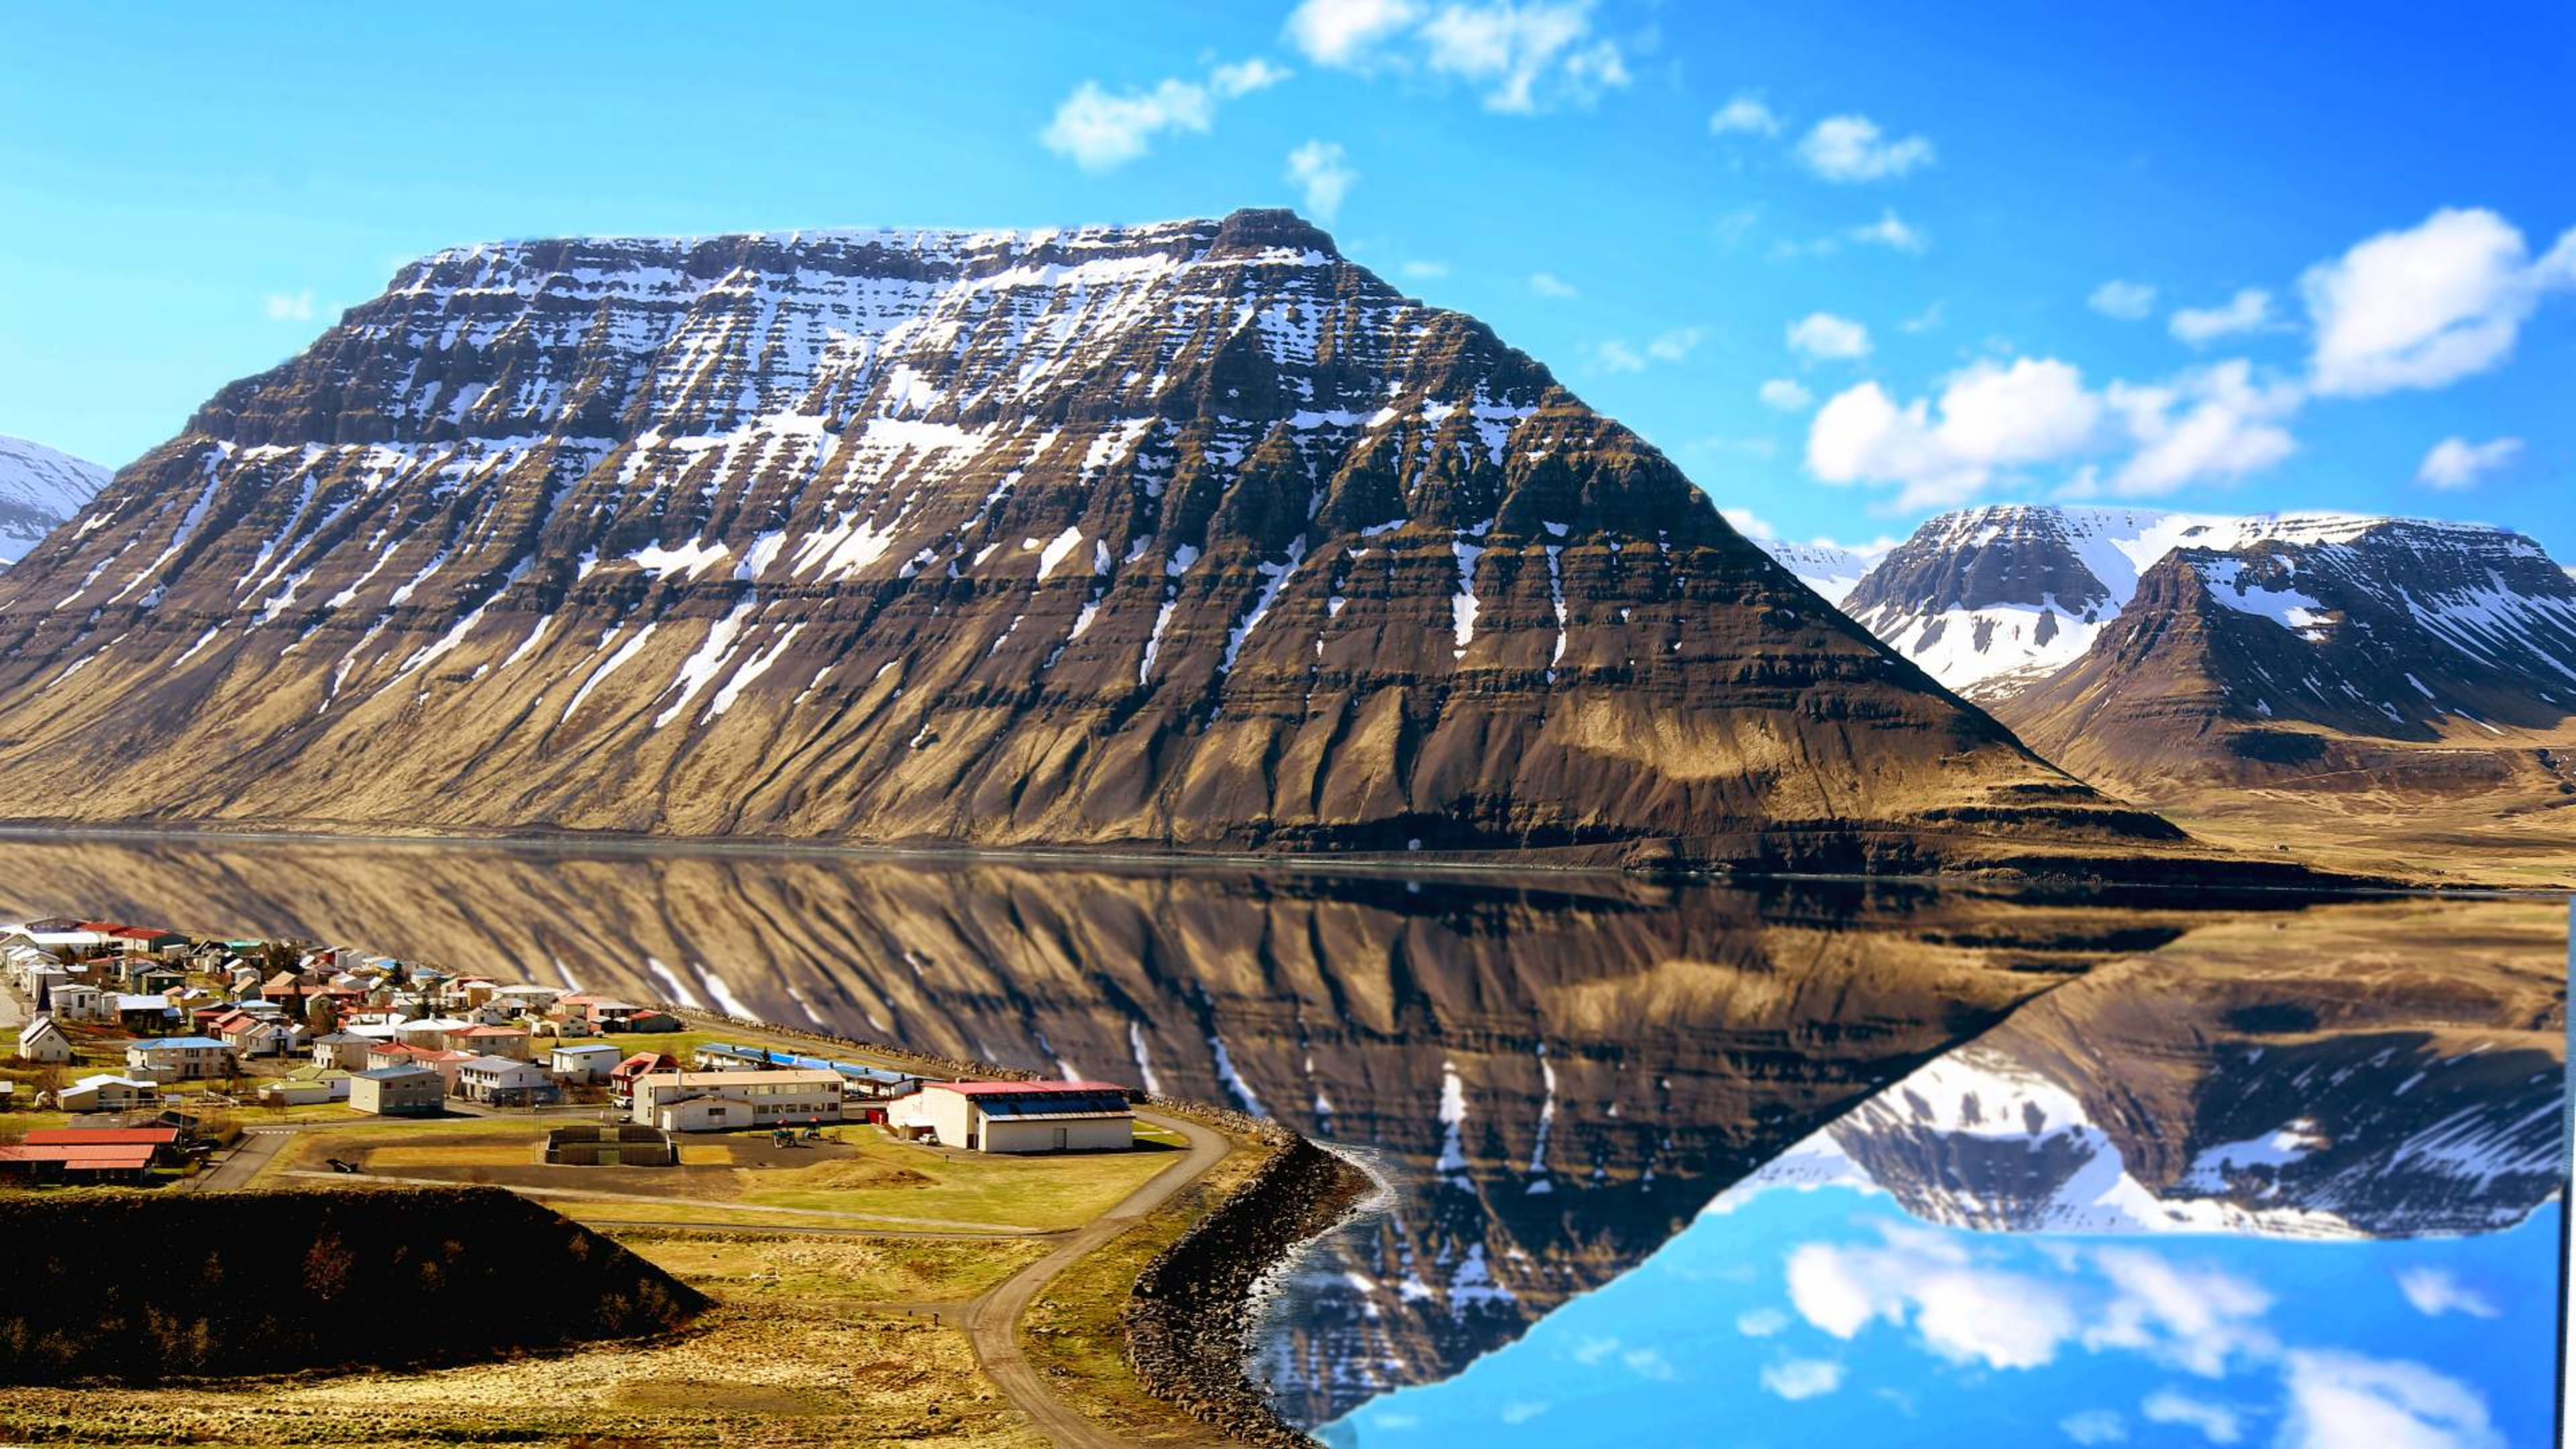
pixel 180 1058
pixel 861 1081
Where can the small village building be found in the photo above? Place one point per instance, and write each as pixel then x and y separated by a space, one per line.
pixel 434 1032
pixel 579 1064
pixel 521 1000
pixel 623 1077
pixel 502 1082
pixel 405 1091
pixel 161 1142
pixel 77 1001
pixel 24 1163
pixel 180 1058
pixel 1018 1116
pixel 145 1013
pixel 768 1099
pixel 395 1054
pixel 308 1086
pixel 343 1049
pixel 42 1041
pixel 108 1092
pixel 493 1041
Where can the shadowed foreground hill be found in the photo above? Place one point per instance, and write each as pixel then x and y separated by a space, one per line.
pixel 1193 536
pixel 130 1285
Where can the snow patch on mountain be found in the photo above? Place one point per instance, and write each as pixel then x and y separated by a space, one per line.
pixel 40 489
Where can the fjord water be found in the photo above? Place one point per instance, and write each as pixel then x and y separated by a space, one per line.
pixel 1559 1074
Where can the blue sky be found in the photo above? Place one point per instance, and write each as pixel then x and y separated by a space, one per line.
pixel 1652 198
pixel 1832 1317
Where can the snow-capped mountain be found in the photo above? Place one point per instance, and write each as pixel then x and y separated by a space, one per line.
pixel 2325 1096
pixel 1992 600
pixel 40 488
pixel 1831 569
pixel 1188 535
pixel 2293 654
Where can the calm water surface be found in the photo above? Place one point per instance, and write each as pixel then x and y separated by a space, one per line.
pixel 1878 1156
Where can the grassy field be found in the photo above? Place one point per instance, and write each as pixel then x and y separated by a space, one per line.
pixel 1072 1332
pixel 881 1270
pixel 860 1172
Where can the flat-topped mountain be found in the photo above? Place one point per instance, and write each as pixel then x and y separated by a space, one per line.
pixel 1191 536
pixel 40 488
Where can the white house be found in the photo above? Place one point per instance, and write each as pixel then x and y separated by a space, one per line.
pixel 107 1093
pixel 1018 1116
pixel 503 1082
pixel 42 1041
pixel 345 1050
pixel 79 1001
pixel 790 1098
pixel 590 1063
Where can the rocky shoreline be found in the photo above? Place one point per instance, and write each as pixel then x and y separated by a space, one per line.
pixel 1191 1313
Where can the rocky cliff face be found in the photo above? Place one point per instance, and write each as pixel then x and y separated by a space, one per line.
pixel 40 489
pixel 1193 535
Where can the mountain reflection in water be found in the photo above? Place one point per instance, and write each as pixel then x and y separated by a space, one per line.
pixel 2283 1181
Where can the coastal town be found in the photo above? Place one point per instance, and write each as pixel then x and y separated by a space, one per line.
pixel 143 1056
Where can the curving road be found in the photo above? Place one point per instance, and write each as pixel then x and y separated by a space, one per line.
pixel 993 1320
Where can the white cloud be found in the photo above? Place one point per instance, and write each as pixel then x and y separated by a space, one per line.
pixel 1617 356
pixel 1346 32
pixel 1925 320
pixel 1593 1351
pixel 1890 230
pixel 1963 1312
pixel 1649 1363
pixel 1322 175
pixel 2432 1291
pixel 290 306
pixel 2341 1399
pixel 1675 344
pixel 2425 307
pixel 1745 115
pixel 2128 301
pixel 1425 270
pixel 1755 1322
pixel 2213 423
pixel 1244 77
pixel 1802 1378
pixel 2094 1426
pixel 1824 335
pixel 1513 49
pixel 1521 1411
pixel 1099 131
pixel 1852 148
pixel 2247 311
pixel 2216 1422
pixel 1523 56
pixel 1786 394
pixel 1546 284
pixel 2194 1319
pixel 1989 417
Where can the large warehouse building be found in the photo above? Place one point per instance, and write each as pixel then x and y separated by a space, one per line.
pixel 1018 1116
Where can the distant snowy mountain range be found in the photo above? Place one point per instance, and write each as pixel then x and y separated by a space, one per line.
pixel 40 487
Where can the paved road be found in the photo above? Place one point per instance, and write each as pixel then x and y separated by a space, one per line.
pixel 994 1319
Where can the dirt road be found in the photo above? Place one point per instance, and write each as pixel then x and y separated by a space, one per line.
pixel 994 1319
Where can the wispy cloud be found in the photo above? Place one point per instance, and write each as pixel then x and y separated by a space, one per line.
pixel 1100 131
pixel 1853 148
pixel 1802 1378
pixel 2432 1291
pixel 2250 310
pixel 1746 115
pixel 1521 56
pixel 1323 176
pixel 1786 394
pixel 1890 230
pixel 2216 1423
pixel 2127 301
pixel 1424 270
pixel 290 306
pixel 1549 285
pixel 1822 335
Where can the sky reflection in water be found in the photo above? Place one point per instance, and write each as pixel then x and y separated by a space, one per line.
pixel 1783 1314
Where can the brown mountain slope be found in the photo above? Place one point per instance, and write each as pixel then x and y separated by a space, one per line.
pixel 1190 536
pixel 2400 700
